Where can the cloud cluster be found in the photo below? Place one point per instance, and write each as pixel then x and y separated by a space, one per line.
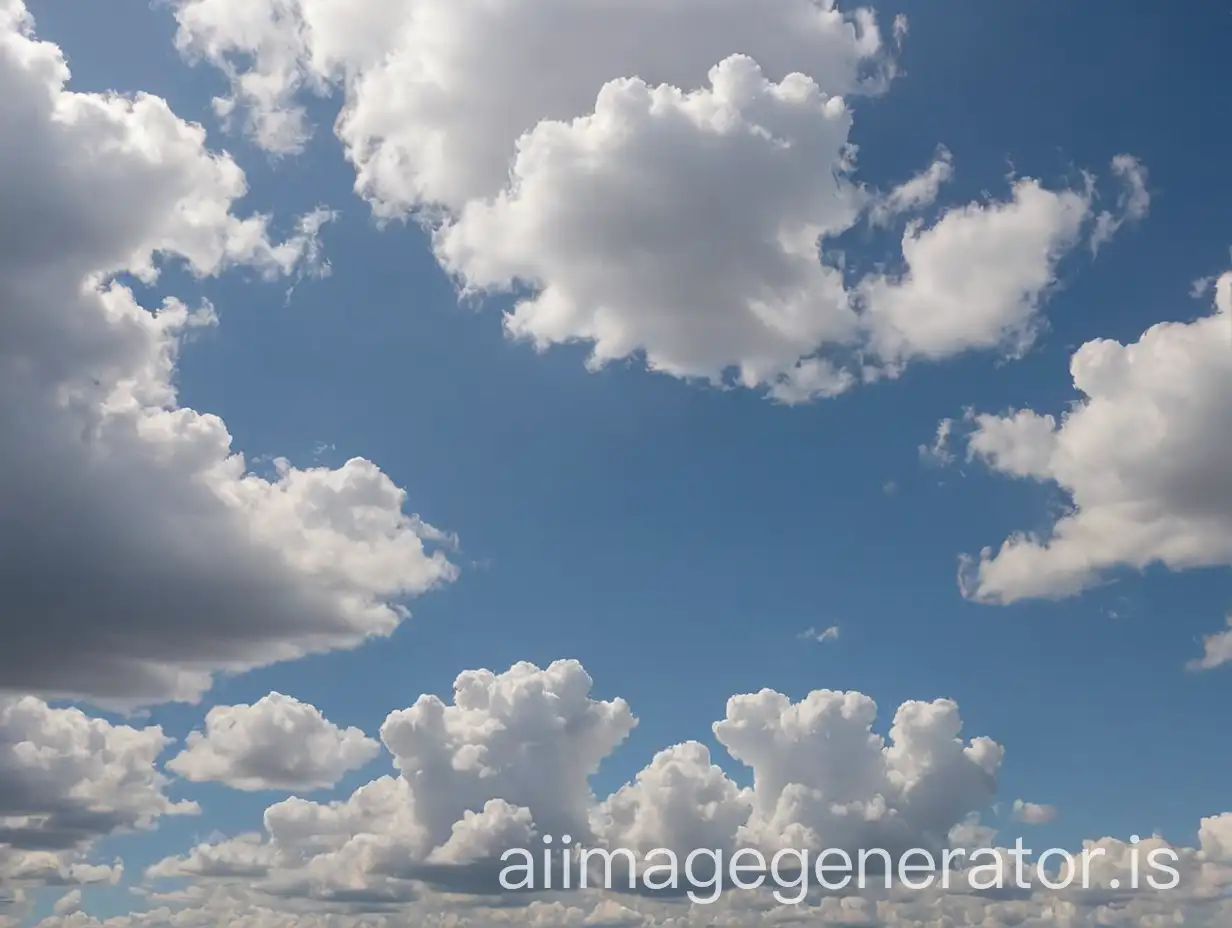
pixel 1144 457
pixel 138 553
pixel 510 759
pixel 663 180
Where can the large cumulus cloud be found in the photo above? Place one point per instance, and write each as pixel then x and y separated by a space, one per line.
pixel 1144 457
pixel 138 553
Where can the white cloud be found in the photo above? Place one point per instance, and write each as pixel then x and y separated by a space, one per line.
pixel 822 778
pixel 529 737
pixel 276 743
pixel 241 857
pixel 438 93
pixel 1133 202
pixel 1216 650
pixel 513 752
pixel 510 759
pixel 917 193
pixel 616 218
pixel 659 180
pixel 1145 457
pixel 660 807
pixel 182 562
pixel 67 779
pixel 976 277
pixel 939 452
pixel 821 637
pixel 1032 813
pixel 415 847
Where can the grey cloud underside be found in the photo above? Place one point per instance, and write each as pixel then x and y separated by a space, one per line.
pixel 137 555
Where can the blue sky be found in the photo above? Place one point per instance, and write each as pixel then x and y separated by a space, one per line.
pixel 677 539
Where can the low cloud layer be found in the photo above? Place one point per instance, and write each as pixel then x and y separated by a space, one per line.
pixel 508 759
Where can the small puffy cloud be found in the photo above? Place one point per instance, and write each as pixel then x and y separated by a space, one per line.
pixel 1020 444
pixel 138 551
pixel 975 278
pixel 276 743
pixel 1216 650
pixel 1032 813
pixel 1144 455
pixel 67 779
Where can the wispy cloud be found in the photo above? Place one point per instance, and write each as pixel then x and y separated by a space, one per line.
pixel 812 634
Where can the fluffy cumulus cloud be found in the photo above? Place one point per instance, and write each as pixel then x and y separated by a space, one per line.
pixel 975 278
pixel 509 760
pixel 276 743
pixel 138 553
pixel 662 180
pixel 618 216
pixel 68 780
pixel 473 77
pixel 1144 457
